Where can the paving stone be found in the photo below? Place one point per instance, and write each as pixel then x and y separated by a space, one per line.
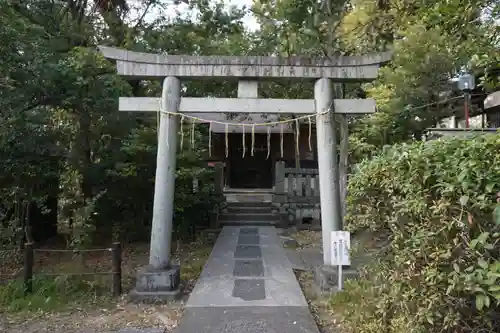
pixel 248 251
pixel 249 231
pixel 141 330
pixel 244 239
pixel 249 290
pixel 255 319
pixel 248 268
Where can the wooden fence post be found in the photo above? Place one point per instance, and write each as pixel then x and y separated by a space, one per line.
pixel 28 269
pixel 117 269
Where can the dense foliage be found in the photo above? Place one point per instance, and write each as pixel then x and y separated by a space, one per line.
pixel 436 202
pixel 432 43
pixel 67 155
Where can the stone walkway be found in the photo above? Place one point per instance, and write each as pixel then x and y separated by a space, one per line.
pixel 247 286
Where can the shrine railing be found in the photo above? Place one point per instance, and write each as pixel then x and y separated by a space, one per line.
pixel 296 192
pixel 296 185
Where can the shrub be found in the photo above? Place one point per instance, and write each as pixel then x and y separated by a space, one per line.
pixel 440 271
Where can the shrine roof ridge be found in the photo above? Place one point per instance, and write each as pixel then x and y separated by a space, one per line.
pixel 304 61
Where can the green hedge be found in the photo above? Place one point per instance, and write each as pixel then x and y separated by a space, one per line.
pixel 436 203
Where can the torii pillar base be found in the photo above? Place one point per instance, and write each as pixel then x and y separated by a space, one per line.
pixel 157 285
pixel 326 279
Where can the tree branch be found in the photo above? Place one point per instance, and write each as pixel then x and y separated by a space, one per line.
pixel 141 18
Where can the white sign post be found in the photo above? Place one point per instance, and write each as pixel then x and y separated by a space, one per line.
pixel 340 242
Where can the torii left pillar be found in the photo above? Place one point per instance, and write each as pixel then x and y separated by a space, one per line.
pixel 160 280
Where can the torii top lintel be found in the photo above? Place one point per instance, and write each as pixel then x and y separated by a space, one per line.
pixel 339 68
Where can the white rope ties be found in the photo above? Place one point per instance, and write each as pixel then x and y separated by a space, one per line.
pixel 167 121
pixel 182 132
pixel 297 128
pixel 269 125
pixel 253 139
pixel 310 131
pixel 158 124
pixel 192 133
pixel 243 140
pixel 227 139
pixel 281 140
pixel 268 142
pixel 210 139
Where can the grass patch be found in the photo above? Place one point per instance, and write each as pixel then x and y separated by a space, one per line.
pixel 319 306
pixel 193 265
pixel 54 293
pixel 192 258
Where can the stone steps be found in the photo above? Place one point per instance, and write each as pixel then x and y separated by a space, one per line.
pixel 250 204
pixel 249 213
pixel 249 209
pixel 248 197
pixel 250 223
pixel 249 217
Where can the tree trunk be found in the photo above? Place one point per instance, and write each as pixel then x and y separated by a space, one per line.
pixel 84 155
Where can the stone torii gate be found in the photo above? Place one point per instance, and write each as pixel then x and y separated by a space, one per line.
pixel 161 279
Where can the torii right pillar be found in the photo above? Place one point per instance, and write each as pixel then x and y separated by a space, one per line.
pixel 331 211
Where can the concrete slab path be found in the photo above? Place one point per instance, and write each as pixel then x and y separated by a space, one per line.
pixel 247 286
